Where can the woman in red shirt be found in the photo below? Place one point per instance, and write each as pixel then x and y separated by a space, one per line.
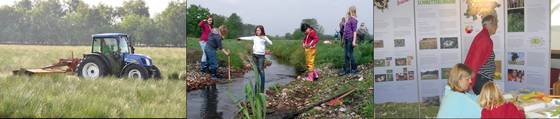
pixel 205 25
pixel 494 106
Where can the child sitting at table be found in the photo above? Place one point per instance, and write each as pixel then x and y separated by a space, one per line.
pixel 494 106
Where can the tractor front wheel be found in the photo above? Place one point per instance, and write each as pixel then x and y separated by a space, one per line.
pixel 91 68
pixel 135 71
pixel 156 74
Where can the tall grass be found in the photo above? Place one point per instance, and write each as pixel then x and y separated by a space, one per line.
pixel 69 96
pixel 171 61
pixel 64 96
pixel 291 52
pixel 405 110
pixel 255 107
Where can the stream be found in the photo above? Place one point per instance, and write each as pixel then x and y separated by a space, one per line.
pixel 220 101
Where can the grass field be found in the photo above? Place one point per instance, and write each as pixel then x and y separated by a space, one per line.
pixel 405 110
pixel 62 96
pixel 70 96
pixel 290 51
pixel 171 61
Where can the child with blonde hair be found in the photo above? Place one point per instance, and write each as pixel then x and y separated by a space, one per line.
pixel 349 40
pixel 494 106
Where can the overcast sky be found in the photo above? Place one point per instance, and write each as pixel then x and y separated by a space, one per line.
pixel 283 16
pixel 155 6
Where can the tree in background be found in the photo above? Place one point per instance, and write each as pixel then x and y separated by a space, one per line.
pixel 195 14
pixel 136 7
pixel 170 18
pixel 234 25
pixel 248 30
pixel 73 22
pixel 218 20
pixel 298 35
pixel 234 22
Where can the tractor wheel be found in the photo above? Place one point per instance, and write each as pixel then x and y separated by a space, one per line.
pixel 156 74
pixel 135 71
pixel 92 68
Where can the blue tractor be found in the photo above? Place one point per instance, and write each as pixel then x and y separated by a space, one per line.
pixel 113 54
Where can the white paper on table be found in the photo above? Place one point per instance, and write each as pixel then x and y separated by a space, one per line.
pixel 534 115
pixel 534 107
pixel 532 111
pixel 549 115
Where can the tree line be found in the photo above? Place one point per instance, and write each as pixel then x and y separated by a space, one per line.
pixel 236 28
pixel 72 22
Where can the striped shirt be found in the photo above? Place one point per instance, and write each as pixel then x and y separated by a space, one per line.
pixel 487 70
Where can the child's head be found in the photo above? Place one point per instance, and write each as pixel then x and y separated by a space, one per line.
pixel 459 78
pixel 209 20
pixel 222 30
pixel 306 28
pixel 352 11
pixel 490 96
pixel 259 30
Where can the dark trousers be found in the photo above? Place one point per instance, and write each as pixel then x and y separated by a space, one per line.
pixel 480 81
pixel 259 62
pixel 349 61
pixel 212 60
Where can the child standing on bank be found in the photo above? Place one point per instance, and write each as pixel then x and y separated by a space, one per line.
pixel 259 49
pixel 309 43
pixel 206 27
pixel 349 35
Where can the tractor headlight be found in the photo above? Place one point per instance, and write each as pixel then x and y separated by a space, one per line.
pixel 148 62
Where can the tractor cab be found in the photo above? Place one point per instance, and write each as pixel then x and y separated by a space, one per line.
pixel 112 53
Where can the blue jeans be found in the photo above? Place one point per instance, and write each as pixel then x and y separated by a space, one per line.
pixel 203 64
pixel 259 62
pixel 349 61
pixel 212 60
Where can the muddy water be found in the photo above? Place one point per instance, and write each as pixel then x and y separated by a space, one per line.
pixel 220 100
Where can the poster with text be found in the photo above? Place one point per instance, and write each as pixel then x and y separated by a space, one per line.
pixel 394 53
pixel 527 45
pixel 438 47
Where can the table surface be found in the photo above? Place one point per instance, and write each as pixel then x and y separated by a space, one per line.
pixel 534 108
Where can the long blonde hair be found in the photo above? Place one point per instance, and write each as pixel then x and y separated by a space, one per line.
pixel 352 11
pixel 457 73
pixel 490 96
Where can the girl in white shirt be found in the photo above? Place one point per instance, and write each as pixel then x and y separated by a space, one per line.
pixel 259 48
